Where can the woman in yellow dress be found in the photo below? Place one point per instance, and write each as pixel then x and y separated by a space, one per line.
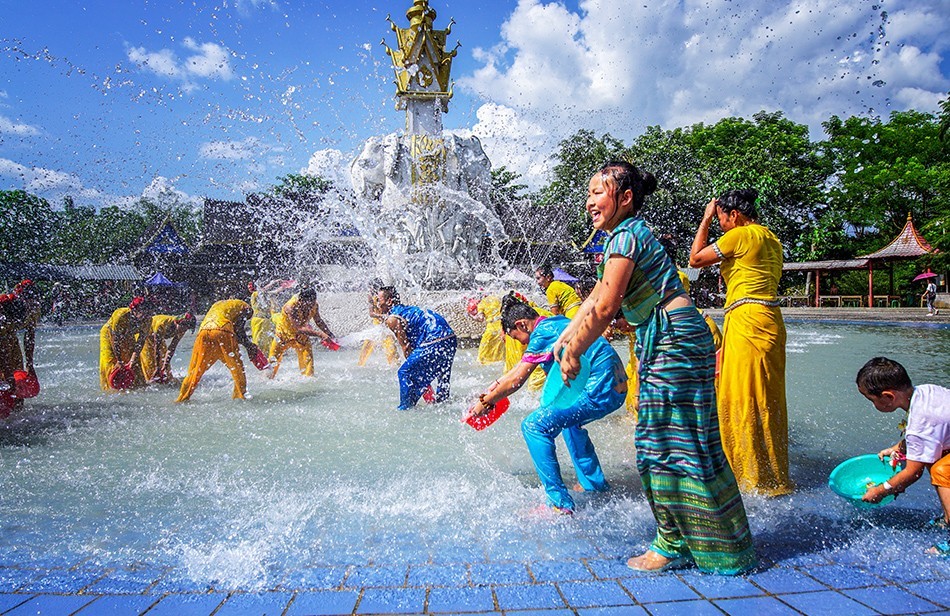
pixel 387 341
pixel 296 323
pixel 753 416
pixel 121 340
pixel 167 332
pixel 262 305
pixel 491 349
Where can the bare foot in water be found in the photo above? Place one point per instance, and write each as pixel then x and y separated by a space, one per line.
pixel 577 487
pixel 651 561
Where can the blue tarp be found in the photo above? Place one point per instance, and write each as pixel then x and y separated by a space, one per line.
pixel 563 276
pixel 158 280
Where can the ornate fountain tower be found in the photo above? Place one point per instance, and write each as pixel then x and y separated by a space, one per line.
pixel 423 69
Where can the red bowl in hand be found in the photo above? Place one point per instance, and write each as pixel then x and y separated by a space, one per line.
pixel 472 306
pixel 27 385
pixel 122 377
pixel 260 360
pixel 481 422
pixel 330 344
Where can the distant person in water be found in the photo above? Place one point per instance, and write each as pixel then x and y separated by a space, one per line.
pixel 121 340
pixel 263 306
pixel 220 333
pixel 603 393
pixel 297 322
pixel 562 298
pixel 19 311
pixel 428 343
pixel 388 344
pixel 159 349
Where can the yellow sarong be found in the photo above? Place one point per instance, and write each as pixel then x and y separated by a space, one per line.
pixel 491 349
pixel 389 346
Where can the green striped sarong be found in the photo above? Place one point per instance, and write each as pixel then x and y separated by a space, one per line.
pixel 686 477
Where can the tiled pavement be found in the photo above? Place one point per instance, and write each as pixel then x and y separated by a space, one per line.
pixel 586 587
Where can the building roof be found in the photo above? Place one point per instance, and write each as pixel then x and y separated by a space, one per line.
pixel 907 245
pixel 38 271
pixel 840 264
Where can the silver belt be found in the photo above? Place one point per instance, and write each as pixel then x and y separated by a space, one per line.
pixel 774 303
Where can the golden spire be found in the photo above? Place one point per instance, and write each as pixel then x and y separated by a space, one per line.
pixel 421 62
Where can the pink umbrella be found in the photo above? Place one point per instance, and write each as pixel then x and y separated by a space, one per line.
pixel 925 275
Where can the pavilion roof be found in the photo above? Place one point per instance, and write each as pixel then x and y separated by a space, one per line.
pixel 907 245
pixel 840 264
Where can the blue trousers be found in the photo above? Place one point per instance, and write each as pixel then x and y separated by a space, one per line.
pixel 423 366
pixel 541 427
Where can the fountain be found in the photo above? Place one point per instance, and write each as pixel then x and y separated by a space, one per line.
pixel 422 198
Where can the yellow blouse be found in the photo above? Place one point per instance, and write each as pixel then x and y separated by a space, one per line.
pixel 122 325
pixel 751 263
pixel 164 326
pixel 490 306
pixel 564 297
pixel 223 314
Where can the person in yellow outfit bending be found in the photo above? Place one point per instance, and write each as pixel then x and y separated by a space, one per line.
pixel 167 332
pixel 219 334
pixel 491 348
pixel 294 331
pixel 562 298
pixel 121 340
pixel 388 342
pixel 19 310
pixel 263 307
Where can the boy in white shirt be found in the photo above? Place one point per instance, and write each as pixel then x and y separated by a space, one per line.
pixel 926 442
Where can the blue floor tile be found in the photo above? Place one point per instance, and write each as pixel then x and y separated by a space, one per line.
pixel 323 603
pixel 363 577
pixel 610 569
pixel 111 605
pixel 892 600
pixel 936 592
pixel 679 608
pixel 781 580
pixel 51 605
pixel 255 604
pixel 721 586
pixel 9 601
pixel 467 599
pixel 826 603
pixel 593 594
pixel 126 581
pixel 174 584
pixel 754 606
pixel 63 582
pixel 500 573
pixel 844 576
pixel 316 578
pixel 193 605
pixel 438 575
pixel 623 610
pixel 12 579
pixel 459 555
pixel 392 601
pixel 659 589
pixel 534 597
pixel 555 571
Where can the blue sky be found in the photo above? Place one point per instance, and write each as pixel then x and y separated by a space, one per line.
pixel 108 102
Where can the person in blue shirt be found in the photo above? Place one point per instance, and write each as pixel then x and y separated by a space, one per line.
pixel 428 343
pixel 604 392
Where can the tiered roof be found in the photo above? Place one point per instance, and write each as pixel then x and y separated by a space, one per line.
pixel 907 245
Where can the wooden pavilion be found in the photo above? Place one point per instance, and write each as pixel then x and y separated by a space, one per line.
pixel 908 244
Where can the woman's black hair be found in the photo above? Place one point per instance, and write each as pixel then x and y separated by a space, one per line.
pixel 546 270
pixel 392 293
pixel 514 309
pixel 308 295
pixel 742 201
pixel 626 176
pixel 880 374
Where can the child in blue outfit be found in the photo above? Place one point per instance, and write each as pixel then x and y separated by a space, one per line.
pixel 428 343
pixel 604 392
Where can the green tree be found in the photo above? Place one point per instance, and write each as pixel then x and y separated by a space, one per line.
pixel 26 224
pixel 885 170
pixel 577 159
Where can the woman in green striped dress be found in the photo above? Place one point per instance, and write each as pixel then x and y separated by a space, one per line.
pixel 686 478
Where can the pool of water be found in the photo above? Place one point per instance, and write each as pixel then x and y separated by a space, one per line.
pixel 324 471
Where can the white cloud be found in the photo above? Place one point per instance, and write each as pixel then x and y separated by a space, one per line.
pixel 618 67
pixel 164 192
pixel 209 61
pixel 11 127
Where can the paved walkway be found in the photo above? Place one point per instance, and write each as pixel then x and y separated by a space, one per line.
pixel 844 584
